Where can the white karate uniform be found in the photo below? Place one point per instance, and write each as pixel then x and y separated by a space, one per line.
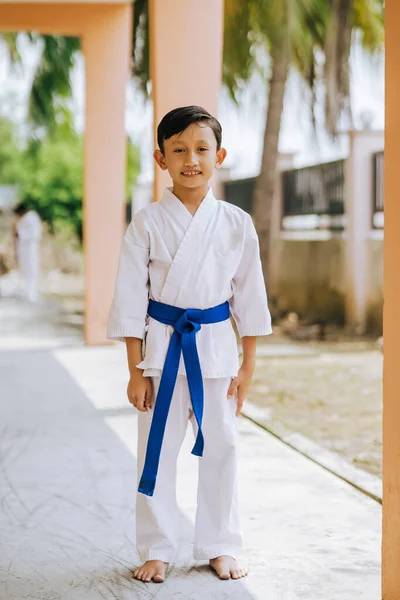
pixel 198 262
pixel 29 228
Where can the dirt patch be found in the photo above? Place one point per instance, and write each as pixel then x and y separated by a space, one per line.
pixel 332 397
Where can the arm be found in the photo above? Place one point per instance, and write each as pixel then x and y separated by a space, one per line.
pixel 240 385
pixel 249 307
pixel 128 311
pixel 139 388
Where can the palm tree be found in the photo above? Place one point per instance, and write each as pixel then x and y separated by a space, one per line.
pixel 296 34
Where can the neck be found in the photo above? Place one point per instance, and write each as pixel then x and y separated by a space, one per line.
pixel 190 197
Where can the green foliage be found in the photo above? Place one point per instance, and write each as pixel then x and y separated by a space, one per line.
pixel 49 172
pixel 132 168
pixel 9 154
pixel 52 179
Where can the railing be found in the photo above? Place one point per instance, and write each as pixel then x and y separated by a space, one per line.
pixel 240 193
pixel 317 190
pixel 378 171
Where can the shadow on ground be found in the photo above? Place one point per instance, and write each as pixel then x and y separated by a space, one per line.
pixel 67 497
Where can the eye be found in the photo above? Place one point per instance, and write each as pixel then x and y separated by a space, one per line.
pixel 203 149
pixel 178 150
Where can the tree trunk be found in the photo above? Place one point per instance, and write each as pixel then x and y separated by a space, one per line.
pixel 264 192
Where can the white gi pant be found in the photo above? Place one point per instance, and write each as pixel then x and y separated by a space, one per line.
pixel 29 268
pixel 217 527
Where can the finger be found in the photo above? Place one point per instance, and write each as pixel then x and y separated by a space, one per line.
pixel 140 402
pixel 149 396
pixel 233 388
pixel 132 400
pixel 147 401
pixel 240 401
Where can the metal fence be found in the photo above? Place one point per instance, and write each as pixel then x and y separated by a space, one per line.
pixel 240 193
pixel 378 173
pixel 317 190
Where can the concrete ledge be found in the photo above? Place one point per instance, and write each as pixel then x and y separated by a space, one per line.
pixel 361 480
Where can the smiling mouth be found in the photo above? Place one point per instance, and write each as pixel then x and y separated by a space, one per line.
pixel 191 173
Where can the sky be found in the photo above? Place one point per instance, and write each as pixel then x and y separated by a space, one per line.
pixel 243 125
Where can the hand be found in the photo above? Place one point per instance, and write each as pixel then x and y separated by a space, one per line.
pixel 240 386
pixel 140 390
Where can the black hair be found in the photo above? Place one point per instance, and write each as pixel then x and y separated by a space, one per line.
pixel 179 119
pixel 21 208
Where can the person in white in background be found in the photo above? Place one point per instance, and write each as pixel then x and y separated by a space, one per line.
pixel 27 235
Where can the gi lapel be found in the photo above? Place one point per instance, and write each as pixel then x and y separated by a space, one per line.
pixel 179 268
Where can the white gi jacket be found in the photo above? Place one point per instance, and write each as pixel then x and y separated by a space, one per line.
pixel 190 261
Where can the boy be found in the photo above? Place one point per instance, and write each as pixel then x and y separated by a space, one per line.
pixel 187 262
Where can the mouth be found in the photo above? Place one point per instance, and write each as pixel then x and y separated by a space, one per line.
pixel 191 173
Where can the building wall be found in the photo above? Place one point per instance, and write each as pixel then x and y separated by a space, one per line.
pixel 311 280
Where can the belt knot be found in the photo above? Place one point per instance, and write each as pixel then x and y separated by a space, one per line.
pixel 187 322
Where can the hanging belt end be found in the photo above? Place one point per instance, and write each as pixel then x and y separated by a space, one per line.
pixel 147 486
pixel 198 448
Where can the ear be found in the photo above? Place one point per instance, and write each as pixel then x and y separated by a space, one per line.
pixel 160 159
pixel 221 155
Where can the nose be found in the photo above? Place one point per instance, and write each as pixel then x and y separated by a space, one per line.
pixel 191 158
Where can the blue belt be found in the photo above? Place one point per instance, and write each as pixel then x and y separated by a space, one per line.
pixel 186 324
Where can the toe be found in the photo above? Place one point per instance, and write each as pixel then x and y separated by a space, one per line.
pixel 235 574
pixel 224 575
pixel 158 578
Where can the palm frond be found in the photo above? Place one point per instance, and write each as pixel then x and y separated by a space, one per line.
pixel 10 41
pixel 368 20
pixel 238 59
pixel 52 80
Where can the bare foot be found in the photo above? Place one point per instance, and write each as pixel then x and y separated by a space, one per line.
pixel 227 567
pixel 151 570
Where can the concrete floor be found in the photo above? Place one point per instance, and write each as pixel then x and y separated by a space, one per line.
pixel 67 488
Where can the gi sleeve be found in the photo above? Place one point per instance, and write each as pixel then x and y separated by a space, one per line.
pixel 131 297
pixel 249 304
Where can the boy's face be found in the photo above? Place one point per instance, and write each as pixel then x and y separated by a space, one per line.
pixel 191 156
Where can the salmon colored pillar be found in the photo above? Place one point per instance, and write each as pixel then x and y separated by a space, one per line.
pixel 185 59
pixel 391 314
pixel 106 46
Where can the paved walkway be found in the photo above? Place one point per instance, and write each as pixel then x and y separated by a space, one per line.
pixel 67 486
